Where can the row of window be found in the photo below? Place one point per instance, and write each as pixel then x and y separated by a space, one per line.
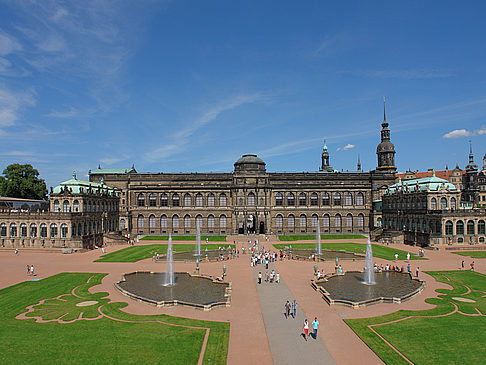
pixel 470 228
pixel 163 200
pixel 187 221
pixel 337 199
pixel 417 203
pixel 88 206
pixel 326 220
pixel 76 230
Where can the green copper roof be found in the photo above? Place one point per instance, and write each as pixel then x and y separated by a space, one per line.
pixel 113 171
pixel 81 186
pixel 432 183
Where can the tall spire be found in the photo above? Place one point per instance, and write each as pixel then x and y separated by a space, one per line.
pixel 359 164
pixel 471 156
pixel 384 110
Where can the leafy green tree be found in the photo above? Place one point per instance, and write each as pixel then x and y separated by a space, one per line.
pixel 22 181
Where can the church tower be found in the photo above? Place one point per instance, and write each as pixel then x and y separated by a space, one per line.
pixel 470 179
pixel 325 166
pixel 385 150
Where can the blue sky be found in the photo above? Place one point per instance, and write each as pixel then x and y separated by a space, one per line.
pixel 178 86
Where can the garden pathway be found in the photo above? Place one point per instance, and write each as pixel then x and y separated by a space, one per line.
pixel 285 339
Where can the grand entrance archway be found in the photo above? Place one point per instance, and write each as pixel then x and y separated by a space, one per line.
pixel 251 224
pixel 262 228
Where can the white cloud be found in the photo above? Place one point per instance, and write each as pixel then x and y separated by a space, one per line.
pixel 63 114
pixel 8 44
pixel 347 147
pixel 10 104
pixel 458 133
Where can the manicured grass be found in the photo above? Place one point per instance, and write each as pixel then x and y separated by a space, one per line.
pixel 451 339
pixel 98 341
pixel 184 238
pixel 137 253
pixel 380 251
pixel 302 237
pixel 473 254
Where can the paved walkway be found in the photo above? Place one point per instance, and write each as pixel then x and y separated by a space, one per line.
pixel 287 344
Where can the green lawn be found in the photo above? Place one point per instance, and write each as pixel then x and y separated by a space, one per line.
pixel 384 252
pixel 184 238
pixel 137 253
pixel 454 338
pixel 98 341
pixel 473 254
pixel 302 237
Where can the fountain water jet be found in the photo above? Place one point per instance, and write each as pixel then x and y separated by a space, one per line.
pixel 318 237
pixel 198 240
pixel 369 273
pixel 169 272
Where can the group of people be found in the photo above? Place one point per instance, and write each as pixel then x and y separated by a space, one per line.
pixel 30 270
pixel 291 311
pixel 270 277
pixel 471 264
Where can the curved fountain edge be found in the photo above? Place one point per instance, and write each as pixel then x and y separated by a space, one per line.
pixel 170 303
pixel 225 258
pixel 327 297
pixel 357 257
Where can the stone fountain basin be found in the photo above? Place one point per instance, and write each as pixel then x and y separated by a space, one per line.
pixel 197 291
pixel 349 289
pixel 212 255
pixel 326 255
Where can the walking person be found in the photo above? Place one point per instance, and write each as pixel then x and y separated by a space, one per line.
pixel 472 266
pixel 260 277
pixel 306 329
pixel 417 271
pixel 408 256
pixel 32 270
pixel 315 326
pixel 28 269
pixel 462 265
pixel 287 309
pixel 294 308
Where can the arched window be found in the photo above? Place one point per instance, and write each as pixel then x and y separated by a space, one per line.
pixel 152 200
pixel 210 221
pixel 291 220
pixel 33 230
pixel 302 199
pixel 56 205
pixel 53 230
pixel 449 228
pixel 443 203
pixel 337 221
pixel 43 230
pixel 314 220
pixel 140 221
pixel 64 230
pixel 13 230
pixel 278 199
pixel 379 222
pixel 175 200
pixel 453 203
pixel 326 221
pixel 459 227
pixel 359 199
pixel 326 200
pixel 211 200
pixel 163 221
pixel 290 199
pixel 175 221
pixel 23 230
pixel 199 221
pixel 349 220
pixel 251 200
pixel 348 199
pixel 481 227
pixel 303 220
pixel 314 201
pixel 222 221
pixel 65 206
pixel 279 220
pixel 122 223
pixel 187 200
pixel 152 221
pixel 222 200
pixel 470 227
pixel 360 221
pixel 141 200
pixel 199 200
pixel 164 201
pixel 433 204
pixel 3 230
pixel 337 199
pixel 187 221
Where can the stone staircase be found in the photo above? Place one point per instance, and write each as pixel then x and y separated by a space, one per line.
pixel 115 239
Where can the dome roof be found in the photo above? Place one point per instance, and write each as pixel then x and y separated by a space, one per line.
pixel 385 146
pixel 253 159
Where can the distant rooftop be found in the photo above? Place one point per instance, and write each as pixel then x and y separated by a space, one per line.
pixel 79 186
pixel 432 183
pixel 119 171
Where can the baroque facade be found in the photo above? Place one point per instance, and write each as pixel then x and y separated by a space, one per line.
pixel 252 200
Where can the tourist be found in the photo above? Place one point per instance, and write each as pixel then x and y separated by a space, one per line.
pixel 32 270
pixel 417 271
pixel 16 251
pixel 462 265
pixel 28 269
pixel 408 256
pixel 472 266
pixel 306 328
pixel 287 309
pixel 294 308
pixel 396 256
pixel 277 278
pixel 260 277
pixel 266 276
pixel 409 270
pixel 340 270
pixel 315 326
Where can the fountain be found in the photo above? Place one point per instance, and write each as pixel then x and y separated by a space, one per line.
pixel 198 240
pixel 318 236
pixel 369 270
pixel 169 271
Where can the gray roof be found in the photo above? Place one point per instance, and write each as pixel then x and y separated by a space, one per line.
pixel 249 159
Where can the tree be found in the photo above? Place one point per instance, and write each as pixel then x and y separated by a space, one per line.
pixel 22 181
